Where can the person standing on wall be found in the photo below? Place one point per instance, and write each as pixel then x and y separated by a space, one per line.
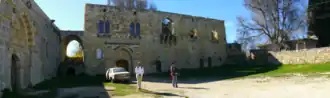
pixel 139 71
pixel 174 75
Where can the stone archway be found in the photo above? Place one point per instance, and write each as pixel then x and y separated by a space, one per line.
pixel 71 65
pixel 128 59
pixel 66 40
pixel 14 72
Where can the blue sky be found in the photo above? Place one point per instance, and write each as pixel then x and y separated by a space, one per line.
pixel 69 14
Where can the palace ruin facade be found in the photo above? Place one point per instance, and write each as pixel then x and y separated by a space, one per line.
pixel 32 47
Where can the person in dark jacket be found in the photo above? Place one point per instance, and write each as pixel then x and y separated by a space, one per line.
pixel 174 75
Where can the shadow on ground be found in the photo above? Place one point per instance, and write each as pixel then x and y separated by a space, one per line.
pixel 238 65
pixel 53 88
pixel 196 88
pixel 164 94
pixel 195 76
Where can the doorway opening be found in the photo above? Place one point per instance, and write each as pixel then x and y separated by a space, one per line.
pixel 14 75
pixel 209 59
pixel 71 72
pixel 158 66
pixel 123 63
pixel 201 63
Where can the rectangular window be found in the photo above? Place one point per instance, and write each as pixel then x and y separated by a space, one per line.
pixel 107 26
pixel 46 49
pixel 100 26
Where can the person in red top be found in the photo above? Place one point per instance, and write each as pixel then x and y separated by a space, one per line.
pixel 174 75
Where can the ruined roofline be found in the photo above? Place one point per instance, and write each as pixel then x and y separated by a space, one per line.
pixel 80 31
pixel 183 15
pixel 41 13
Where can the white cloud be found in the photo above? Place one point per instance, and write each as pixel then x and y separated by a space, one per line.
pixel 229 24
pixel 72 48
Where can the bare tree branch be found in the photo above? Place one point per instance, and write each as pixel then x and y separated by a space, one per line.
pixel 273 20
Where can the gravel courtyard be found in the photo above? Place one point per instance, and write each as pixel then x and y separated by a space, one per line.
pixel 280 87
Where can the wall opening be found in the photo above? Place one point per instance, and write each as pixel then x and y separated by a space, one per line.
pixel 209 60
pixel 123 63
pixel 126 59
pixel 168 35
pixel 71 72
pixel 14 72
pixel 135 30
pixel 158 65
pixel 193 34
pixel 201 62
pixel 215 36
pixel 74 54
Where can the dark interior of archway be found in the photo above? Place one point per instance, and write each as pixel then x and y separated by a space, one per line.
pixel 122 63
pixel 71 72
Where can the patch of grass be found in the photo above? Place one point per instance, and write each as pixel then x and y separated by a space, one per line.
pixel 122 89
pixel 299 68
pixel 238 71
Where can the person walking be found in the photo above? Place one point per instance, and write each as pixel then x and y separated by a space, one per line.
pixel 139 70
pixel 174 75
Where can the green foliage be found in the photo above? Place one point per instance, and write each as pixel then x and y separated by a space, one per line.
pixel 300 68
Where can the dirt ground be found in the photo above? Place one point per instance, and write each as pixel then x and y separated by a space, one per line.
pixel 281 87
pixel 263 87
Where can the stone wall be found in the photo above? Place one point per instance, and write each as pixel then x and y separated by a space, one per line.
pixel 36 62
pixel 186 52
pixel 310 56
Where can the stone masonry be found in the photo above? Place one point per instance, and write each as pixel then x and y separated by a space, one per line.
pixel 187 52
pixel 310 56
pixel 29 44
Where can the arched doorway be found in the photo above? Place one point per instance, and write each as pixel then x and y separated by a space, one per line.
pixel 125 58
pixel 14 69
pixel 123 63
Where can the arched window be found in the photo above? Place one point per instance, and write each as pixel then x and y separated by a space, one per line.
pixel 137 30
pixel 132 30
pixel 100 26
pixel 107 26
